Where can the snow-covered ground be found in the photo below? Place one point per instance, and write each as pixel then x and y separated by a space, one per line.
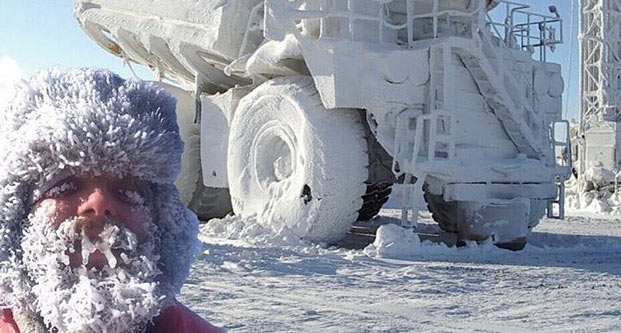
pixel 568 278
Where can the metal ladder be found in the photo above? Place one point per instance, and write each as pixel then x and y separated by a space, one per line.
pixel 440 126
pixel 427 135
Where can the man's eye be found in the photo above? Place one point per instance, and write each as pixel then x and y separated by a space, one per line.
pixel 61 190
pixel 133 197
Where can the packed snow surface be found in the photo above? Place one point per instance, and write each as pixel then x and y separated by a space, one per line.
pixel 567 278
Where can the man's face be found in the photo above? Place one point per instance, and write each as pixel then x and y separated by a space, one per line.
pixel 90 251
pixel 97 201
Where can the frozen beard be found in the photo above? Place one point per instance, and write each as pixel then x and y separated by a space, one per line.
pixel 121 296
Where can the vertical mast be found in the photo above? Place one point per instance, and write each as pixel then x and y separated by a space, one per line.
pixel 600 74
pixel 600 60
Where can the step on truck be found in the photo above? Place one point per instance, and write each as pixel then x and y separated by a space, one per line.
pixel 302 114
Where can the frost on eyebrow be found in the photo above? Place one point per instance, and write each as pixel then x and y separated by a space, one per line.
pixel 133 196
pixel 46 208
pixel 60 189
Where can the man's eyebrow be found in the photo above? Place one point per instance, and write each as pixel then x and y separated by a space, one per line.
pixel 134 184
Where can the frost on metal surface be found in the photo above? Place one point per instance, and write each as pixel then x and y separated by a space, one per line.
pixel 174 38
pixel 595 140
pixel 462 104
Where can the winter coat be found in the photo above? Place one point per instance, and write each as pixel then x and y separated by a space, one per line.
pixel 178 318
pixel 7 324
pixel 174 319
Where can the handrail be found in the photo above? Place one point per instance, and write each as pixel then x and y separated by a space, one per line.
pixel 494 24
pixel 253 13
pixel 522 31
pixel 546 37
pixel 349 14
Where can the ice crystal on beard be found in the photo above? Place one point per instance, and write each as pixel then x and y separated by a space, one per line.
pixel 115 298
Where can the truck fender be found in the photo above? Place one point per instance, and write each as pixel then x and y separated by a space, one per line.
pixel 216 114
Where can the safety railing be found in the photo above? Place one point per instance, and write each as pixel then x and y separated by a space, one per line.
pixel 403 22
pixel 396 22
pixel 526 30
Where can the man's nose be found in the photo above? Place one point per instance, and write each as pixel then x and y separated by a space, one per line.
pixel 97 206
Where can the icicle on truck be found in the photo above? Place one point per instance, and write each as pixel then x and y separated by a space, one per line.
pixel 307 111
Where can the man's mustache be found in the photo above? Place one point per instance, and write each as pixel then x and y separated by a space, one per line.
pixel 105 236
pixel 94 227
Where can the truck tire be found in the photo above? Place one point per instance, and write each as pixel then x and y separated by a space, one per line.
pixel 293 164
pixel 375 197
pixel 444 213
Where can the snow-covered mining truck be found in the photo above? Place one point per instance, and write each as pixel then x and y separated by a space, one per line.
pixel 309 111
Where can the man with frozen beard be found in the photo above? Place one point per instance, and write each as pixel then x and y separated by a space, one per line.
pixel 93 237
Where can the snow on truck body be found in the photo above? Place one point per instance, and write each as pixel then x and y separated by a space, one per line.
pixel 455 101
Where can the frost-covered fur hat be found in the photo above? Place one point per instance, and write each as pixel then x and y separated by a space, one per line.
pixel 64 123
